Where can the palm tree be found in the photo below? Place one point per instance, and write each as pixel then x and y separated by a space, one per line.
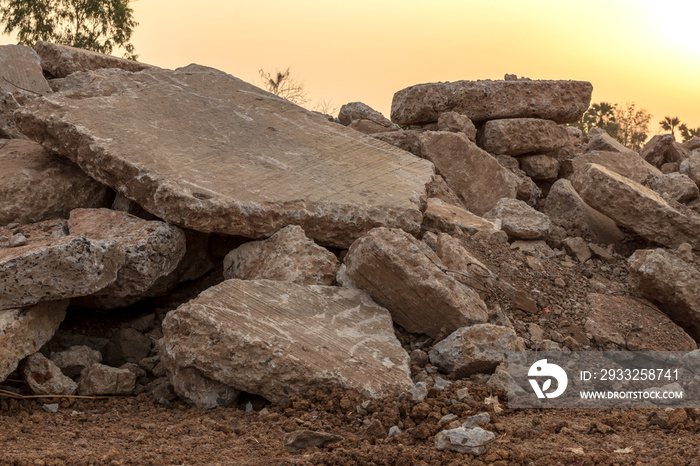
pixel 670 124
pixel 688 133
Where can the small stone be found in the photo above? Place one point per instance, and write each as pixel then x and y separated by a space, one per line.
pixel 75 359
pixel 419 392
pixel 45 378
pixel 477 420
pixel 50 408
pixel 303 439
pixel 475 441
pixel 18 239
pixel 578 248
pixel 99 379
pixel 463 394
pixel 685 251
pixel 394 431
pixel 560 282
pixel 441 383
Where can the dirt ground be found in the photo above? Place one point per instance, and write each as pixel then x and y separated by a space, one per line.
pixel 136 430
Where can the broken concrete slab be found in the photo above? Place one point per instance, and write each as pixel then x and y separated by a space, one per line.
pixel 62 60
pixel 355 112
pixel 53 265
pixel 24 331
pixel 567 209
pixel 473 174
pixel 403 139
pixel 626 323
pixel 691 167
pixel 636 207
pixel 36 185
pixel 278 339
pixel 517 136
pixel 202 149
pixel 662 149
pixel 519 220
pixel 20 71
pixel 8 105
pixel 405 276
pixel 288 256
pixel 671 283
pixel 45 378
pixel 677 186
pixel 476 349
pixel 451 219
pixel 540 167
pixel 628 164
pixel 98 252
pixel 561 101
pixel 150 250
pixel 457 123
pixel 602 141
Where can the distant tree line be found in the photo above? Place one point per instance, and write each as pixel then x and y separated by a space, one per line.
pixel 628 124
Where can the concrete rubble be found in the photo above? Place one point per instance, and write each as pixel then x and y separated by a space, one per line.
pixel 182 234
pixel 236 134
pixel 405 276
pixel 561 101
pixel 287 339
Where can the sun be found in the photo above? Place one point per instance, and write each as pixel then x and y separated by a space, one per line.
pixel 675 21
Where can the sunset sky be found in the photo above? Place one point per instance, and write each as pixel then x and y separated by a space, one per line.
pixel 643 51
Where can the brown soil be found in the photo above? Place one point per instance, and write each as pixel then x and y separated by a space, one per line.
pixel 138 431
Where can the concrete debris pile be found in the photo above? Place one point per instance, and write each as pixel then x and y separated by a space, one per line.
pixel 237 245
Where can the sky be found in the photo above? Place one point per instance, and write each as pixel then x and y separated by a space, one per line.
pixel 641 51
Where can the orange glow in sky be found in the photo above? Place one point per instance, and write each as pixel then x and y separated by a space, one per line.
pixel 644 51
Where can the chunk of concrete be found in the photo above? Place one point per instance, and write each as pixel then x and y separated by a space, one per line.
pixel 45 378
pixel 24 331
pixel 62 60
pixel 473 174
pixel 677 186
pixel 476 349
pixel 150 250
pixel 540 167
pixel 663 149
pixel 190 385
pixel 625 323
pixel 405 276
pixel 567 209
pixel 99 379
pixel 36 185
pixel 451 219
pixel 355 112
pixel 457 123
pixel 519 220
pixel 474 441
pixel 73 360
pixel 287 256
pixel 561 101
pixel 207 151
pixel 278 339
pixel 107 253
pixel 669 282
pixel 20 71
pixel 636 207
pixel 628 164
pixel 517 136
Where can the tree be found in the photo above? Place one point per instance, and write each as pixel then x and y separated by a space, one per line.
pixel 632 124
pixel 600 115
pixel 98 25
pixel 670 124
pixel 281 83
pixel 688 133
